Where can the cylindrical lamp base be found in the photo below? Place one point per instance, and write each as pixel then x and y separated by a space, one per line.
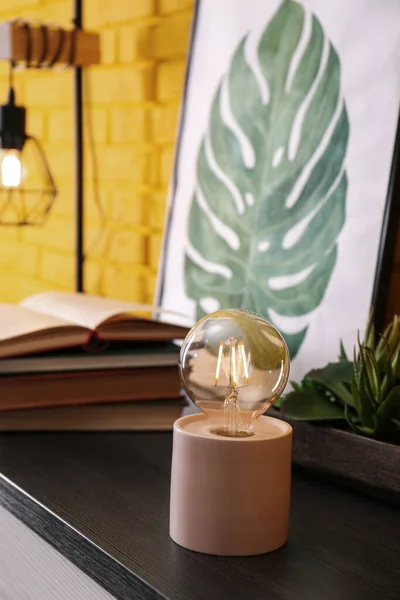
pixel 230 496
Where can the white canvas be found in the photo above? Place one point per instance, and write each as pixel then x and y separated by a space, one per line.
pixel 366 36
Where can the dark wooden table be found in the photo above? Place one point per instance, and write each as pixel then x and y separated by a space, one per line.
pixel 102 501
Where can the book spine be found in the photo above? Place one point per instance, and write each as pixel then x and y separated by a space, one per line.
pixel 95 344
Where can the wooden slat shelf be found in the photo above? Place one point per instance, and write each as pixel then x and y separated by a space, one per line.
pixel 14 44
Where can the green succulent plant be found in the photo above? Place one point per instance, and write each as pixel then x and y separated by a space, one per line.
pixel 365 391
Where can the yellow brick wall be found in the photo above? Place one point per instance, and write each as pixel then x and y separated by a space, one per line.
pixel 131 110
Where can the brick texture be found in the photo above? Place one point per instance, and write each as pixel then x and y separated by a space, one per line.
pixel 169 38
pixel 131 124
pixel 171 6
pixel 130 119
pixel 170 77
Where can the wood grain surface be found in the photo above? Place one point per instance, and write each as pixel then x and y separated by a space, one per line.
pixel 102 501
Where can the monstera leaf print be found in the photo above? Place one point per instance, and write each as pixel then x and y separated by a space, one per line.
pixel 269 202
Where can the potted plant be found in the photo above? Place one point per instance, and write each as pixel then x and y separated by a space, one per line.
pixel 346 416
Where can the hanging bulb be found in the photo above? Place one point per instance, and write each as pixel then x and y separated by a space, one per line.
pixel 12 140
pixel 234 365
pixel 11 169
pixel 27 189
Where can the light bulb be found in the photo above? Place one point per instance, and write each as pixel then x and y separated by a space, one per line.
pixel 11 169
pixel 234 365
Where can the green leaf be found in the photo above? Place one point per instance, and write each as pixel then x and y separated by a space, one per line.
pixel 348 417
pixel 341 371
pixel 395 358
pixel 382 352
pixel 373 375
pixel 393 337
pixel 364 384
pixel 305 384
pixel 390 408
pixel 389 379
pixel 296 386
pixel 366 408
pixel 310 405
pixel 334 377
pixel 355 382
pixel 366 430
pixel 352 420
pixel 354 424
pixel 355 396
pixel 342 355
pixel 257 238
pixel 369 341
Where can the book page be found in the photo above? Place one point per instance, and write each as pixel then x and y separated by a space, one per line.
pixel 16 321
pixel 84 309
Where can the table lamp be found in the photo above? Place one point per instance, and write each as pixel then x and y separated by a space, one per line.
pixel 231 466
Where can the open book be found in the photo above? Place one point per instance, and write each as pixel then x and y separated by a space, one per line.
pixel 53 320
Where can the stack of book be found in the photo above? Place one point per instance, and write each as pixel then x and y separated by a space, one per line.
pixel 79 362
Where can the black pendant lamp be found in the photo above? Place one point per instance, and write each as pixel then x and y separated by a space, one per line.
pixel 27 189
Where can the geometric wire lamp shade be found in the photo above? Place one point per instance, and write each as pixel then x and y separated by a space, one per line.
pixel 27 189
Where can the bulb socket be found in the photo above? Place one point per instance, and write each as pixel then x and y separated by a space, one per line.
pixel 12 125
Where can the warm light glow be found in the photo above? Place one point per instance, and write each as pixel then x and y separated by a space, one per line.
pixel 238 362
pixel 220 356
pixel 245 366
pixel 11 169
pixel 233 364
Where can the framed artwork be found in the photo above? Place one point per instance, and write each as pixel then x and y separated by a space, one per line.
pixel 285 193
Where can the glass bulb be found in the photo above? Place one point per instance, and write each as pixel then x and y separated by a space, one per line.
pixel 234 365
pixel 11 169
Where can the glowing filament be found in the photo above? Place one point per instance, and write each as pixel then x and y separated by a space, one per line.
pixel 233 364
pixel 245 367
pixel 220 357
pixel 238 366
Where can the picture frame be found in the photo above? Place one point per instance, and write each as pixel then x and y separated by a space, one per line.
pixel 375 300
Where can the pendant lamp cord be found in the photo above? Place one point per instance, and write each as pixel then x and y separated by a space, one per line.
pixel 11 76
pixel 78 102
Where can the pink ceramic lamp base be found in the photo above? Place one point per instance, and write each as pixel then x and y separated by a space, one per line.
pixel 230 496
